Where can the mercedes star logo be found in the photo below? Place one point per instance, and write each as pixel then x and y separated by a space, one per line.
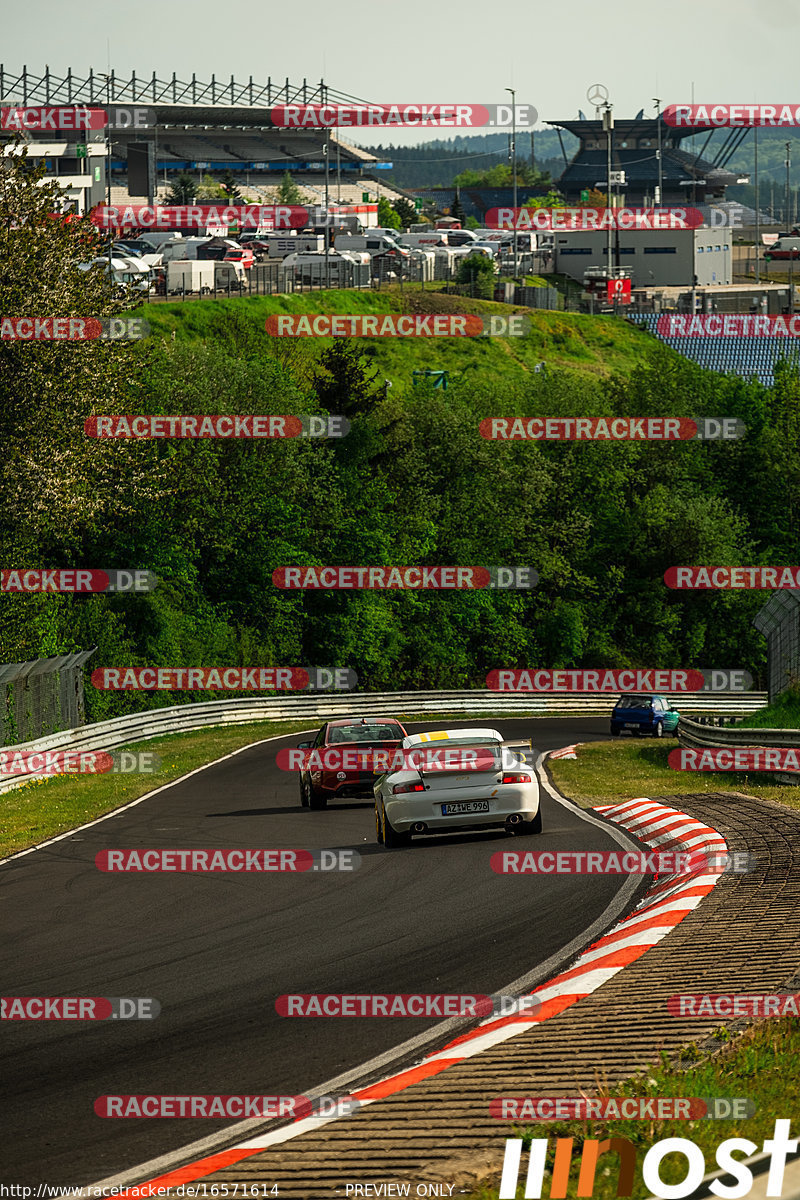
pixel 597 94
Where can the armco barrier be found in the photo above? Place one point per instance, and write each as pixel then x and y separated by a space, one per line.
pixel 693 734
pixel 156 722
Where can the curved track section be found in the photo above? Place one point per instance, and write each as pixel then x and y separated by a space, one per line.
pixel 217 950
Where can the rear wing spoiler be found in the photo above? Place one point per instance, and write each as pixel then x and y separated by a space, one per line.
pixel 524 750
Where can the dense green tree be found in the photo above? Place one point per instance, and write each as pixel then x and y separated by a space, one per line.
pixel 182 190
pixel 387 217
pixel 406 212
pixel 288 191
pixel 477 272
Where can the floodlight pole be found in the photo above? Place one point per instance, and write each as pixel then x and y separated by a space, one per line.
pixel 758 218
pixel 327 230
pixel 608 126
pixel 514 168
pixel 788 225
pixel 657 103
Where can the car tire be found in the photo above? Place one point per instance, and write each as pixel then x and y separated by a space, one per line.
pixel 532 826
pixel 303 793
pixel 316 800
pixel 392 839
pixel 658 732
pixel 378 826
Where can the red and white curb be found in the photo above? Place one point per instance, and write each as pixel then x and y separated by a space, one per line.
pixel 565 752
pixel 661 909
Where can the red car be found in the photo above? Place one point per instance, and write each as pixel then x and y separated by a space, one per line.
pixel 242 254
pixel 317 786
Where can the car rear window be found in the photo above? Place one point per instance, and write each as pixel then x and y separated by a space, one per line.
pixel 634 702
pixel 363 733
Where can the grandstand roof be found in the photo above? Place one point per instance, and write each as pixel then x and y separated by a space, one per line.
pixel 635 150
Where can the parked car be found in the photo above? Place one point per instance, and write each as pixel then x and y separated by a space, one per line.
pixel 318 786
pixel 786 247
pixel 490 249
pixel 460 237
pixel 478 782
pixel 645 716
pixel 240 254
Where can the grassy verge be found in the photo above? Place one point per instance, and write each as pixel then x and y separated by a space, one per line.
pixel 607 772
pixel 761 1064
pixel 44 808
pixel 783 713
pixel 598 345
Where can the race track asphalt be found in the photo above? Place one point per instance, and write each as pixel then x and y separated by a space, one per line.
pixel 216 951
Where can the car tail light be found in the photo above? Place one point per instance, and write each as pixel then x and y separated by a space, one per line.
pixel 516 779
pixel 399 788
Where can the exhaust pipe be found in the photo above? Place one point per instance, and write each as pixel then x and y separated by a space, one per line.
pixel 514 819
pixel 419 827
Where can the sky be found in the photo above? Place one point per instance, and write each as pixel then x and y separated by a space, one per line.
pixel 414 52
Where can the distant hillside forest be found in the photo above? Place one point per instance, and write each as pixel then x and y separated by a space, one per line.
pixel 437 163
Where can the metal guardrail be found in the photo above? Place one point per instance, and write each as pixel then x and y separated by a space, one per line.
pixel 183 718
pixel 693 734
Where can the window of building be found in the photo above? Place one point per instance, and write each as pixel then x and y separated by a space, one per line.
pixel 661 249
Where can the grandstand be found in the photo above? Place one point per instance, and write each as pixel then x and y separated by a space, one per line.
pixel 747 357
pixel 685 177
pixel 200 127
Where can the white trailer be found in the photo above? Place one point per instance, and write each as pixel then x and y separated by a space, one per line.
pixel 343 270
pixel 182 248
pixel 191 275
pixel 303 243
pixel 373 244
pixel 424 241
pixel 422 265
pixel 228 273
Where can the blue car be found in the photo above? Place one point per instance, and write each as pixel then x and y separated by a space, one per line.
pixel 644 716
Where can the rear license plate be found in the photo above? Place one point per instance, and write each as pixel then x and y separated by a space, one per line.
pixel 630 725
pixel 465 806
